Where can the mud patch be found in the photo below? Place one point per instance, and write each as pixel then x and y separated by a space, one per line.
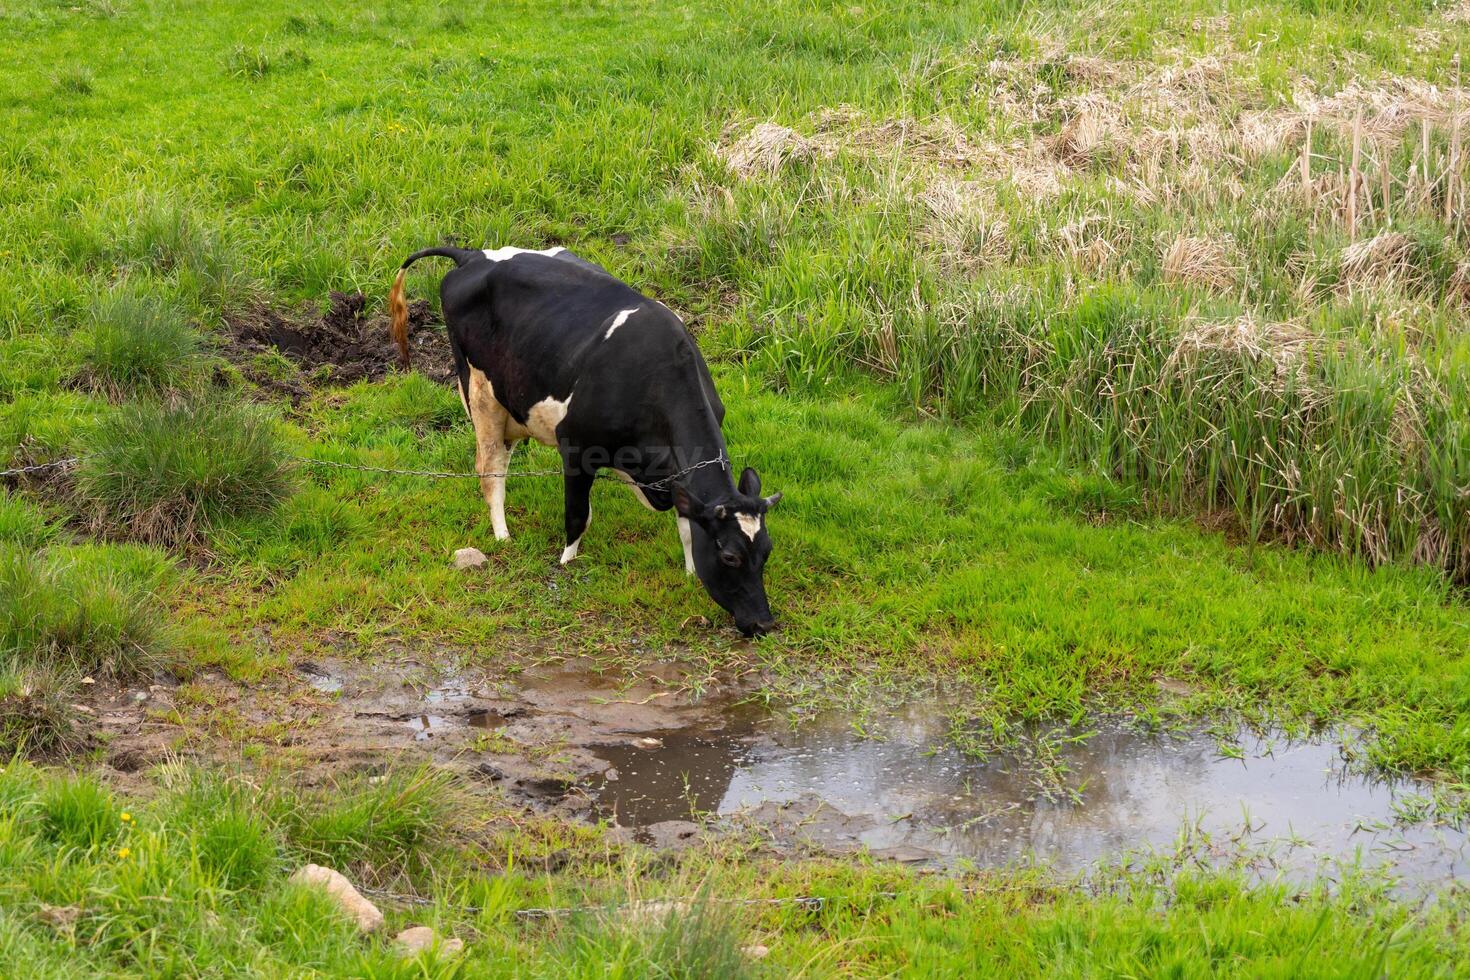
pixel 288 351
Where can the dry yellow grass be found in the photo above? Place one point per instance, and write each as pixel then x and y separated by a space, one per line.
pixel 1387 257
pixel 1213 263
pixel 765 150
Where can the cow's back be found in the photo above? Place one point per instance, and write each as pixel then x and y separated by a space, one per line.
pixel 556 327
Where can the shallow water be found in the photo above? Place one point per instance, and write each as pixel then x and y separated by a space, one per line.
pixel 1293 808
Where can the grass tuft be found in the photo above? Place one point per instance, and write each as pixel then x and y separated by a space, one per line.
pixel 385 825
pixel 36 714
pixel 79 813
pixel 686 942
pixel 74 81
pixel 166 472
pixel 135 344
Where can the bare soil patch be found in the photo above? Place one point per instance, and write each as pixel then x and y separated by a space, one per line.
pixel 346 344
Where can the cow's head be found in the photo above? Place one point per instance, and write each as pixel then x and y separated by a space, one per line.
pixel 730 546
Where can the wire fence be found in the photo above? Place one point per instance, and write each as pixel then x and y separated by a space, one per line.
pixel 663 483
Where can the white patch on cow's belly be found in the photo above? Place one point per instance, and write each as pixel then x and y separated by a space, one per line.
pixel 545 416
pixel 618 321
pixel 637 490
pixel 510 252
pixel 750 524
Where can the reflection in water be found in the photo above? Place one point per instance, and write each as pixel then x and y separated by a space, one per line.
pixel 1293 804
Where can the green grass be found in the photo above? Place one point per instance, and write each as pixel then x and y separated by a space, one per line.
pixel 997 410
pixel 194 882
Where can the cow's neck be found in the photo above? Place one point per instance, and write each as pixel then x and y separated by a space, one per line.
pixel 699 440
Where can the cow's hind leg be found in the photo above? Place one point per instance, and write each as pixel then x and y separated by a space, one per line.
pixel 492 452
pixel 577 487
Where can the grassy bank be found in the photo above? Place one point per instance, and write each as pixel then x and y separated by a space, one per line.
pixel 990 224
pixel 194 883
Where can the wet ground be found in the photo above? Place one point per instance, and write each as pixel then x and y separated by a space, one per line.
pixel 674 756
pixel 349 342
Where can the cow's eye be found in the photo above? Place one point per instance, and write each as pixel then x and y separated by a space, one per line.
pixel 730 558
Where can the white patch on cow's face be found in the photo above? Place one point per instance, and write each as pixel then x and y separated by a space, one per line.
pixel 637 490
pixel 510 252
pixel 545 416
pixel 750 524
pixel 618 321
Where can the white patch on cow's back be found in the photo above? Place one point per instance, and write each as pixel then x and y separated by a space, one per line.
pixel 545 416
pixel 750 524
pixel 510 252
pixel 637 490
pixel 619 320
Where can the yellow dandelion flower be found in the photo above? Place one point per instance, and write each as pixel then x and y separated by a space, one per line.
pixel 127 817
pixel 124 852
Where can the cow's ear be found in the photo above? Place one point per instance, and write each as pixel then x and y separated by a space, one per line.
pixel 686 504
pixel 773 500
pixel 750 482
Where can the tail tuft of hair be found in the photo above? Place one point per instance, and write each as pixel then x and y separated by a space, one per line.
pixel 398 311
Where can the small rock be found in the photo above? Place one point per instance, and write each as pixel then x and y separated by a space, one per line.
pixel 649 742
pixel 469 558
pixel 368 918
pixel 415 940
pixel 756 951
pixel 140 696
pixel 490 771
pixel 88 680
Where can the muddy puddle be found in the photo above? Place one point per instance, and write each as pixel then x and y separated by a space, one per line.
pixel 671 756
pixel 1289 808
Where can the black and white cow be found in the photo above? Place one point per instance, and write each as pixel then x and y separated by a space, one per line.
pixel 552 347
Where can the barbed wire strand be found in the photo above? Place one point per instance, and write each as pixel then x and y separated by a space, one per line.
pixel 661 484
pixel 42 467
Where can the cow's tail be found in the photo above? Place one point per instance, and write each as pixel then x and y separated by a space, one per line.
pixel 398 306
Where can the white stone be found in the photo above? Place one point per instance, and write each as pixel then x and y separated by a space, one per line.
pixel 416 939
pixel 365 913
pixel 469 558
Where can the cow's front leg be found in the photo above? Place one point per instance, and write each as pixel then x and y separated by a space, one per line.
pixel 577 488
pixel 686 538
